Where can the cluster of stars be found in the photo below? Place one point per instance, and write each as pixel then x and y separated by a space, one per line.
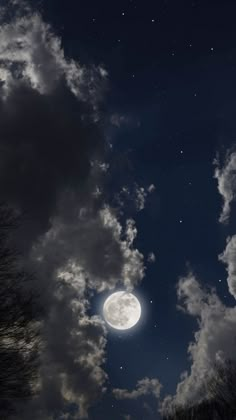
pixel 154 20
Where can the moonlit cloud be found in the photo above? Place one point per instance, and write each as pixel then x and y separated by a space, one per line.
pixel 86 250
pixel 97 242
pixel 144 387
pixel 134 196
pixel 213 341
pixel 140 198
pixel 30 52
pixel 226 177
pixel 229 258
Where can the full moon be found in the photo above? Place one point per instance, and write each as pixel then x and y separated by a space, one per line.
pixel 122 310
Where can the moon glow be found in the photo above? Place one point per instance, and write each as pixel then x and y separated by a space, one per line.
pixel 122 310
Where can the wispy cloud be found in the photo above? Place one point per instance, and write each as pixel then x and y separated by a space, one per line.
pixel 144 387
pixel 134 196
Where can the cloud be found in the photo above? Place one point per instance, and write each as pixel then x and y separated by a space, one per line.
pixel 85 251
pixel 134 196
pixel 151 188
pixel 49 137
pixel 226 177
pixel 144 387
pixel 140 198
pixel 151 257
pixel 48 134
pixel 229 258
pixel 214 340
pixel 53 160
pixel 95 239
pixel 72 365
pixel 32 53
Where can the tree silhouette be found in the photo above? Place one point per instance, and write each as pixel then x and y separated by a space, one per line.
pixel 19 329
pixel 220 403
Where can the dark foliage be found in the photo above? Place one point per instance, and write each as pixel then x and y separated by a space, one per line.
pixel 19 329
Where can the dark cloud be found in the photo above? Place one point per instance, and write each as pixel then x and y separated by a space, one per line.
pixel 48 110
pixel 52 166
pixel 46 147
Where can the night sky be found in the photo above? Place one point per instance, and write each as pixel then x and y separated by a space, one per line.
pixel 148 134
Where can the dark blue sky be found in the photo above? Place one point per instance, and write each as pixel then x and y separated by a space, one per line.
pixel 172 67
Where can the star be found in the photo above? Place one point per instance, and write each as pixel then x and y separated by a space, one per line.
pixel 153 20
pixel 220 280
pixel 123 13
pixel 181 221
pixel 121 367
pixel 150 301
pixel 181 151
